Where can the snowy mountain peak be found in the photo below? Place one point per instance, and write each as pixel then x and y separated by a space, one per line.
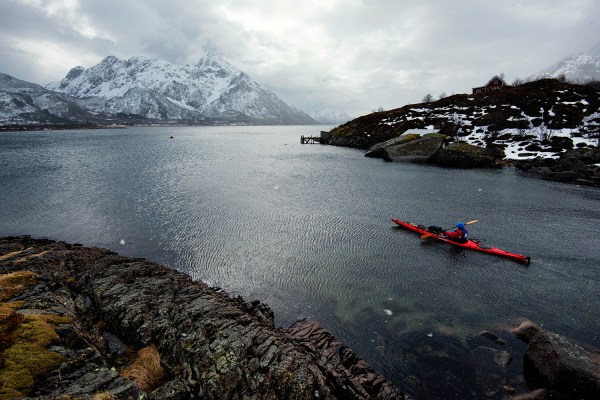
pixel 156 89
pixel 577 68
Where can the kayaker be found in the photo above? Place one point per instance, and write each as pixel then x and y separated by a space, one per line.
pixel 459 235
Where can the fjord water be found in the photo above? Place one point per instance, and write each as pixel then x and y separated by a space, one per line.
pixel 306 229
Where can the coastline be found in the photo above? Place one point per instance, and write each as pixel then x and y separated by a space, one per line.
pixel 89 316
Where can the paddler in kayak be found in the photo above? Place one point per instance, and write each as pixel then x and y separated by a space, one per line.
pixel 459 235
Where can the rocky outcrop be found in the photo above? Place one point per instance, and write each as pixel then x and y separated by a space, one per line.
pixel 378 150
pixel 419 150
pixel 554 362
pixel 463 155
pixel 574 166
pixel 126 328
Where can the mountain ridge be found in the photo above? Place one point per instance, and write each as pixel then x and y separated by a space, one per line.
pixel 147 90
pixel 582 67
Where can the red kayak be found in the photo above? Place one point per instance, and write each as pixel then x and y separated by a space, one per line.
pixel 470 244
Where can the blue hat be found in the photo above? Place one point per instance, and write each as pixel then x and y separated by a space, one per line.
pixel 460 225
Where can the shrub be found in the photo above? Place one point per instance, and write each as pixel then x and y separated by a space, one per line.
pixel 145 370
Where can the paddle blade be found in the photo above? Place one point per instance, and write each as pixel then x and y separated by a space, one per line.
pixel 425 236
pixel 471 222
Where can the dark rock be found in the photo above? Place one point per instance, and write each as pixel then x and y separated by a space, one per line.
pixel 493 337
pixel 555 362
pixel 538 394
pixel 567 176
pixel 463 155
pixel 561 143
pixel 587 156
pixel 544 171
pixel 419 150
pixel 378 150
pixel 526 330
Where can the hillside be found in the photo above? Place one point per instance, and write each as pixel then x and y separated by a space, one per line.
pixel 542 108
pixel 24 103
pixel 548 127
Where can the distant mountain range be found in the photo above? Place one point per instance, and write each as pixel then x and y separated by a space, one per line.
pixel 333 117
pixel 577 68
pixel 148 90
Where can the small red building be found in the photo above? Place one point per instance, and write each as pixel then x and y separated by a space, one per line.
pixel 496 83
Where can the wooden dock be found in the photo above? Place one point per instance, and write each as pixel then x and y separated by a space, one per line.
pixel 309 139
pixel 315 139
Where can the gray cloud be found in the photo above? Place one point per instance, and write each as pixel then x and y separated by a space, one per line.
pixel 354 55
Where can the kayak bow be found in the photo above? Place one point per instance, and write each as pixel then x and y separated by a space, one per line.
pixel 470 244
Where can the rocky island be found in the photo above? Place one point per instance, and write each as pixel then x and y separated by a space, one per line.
pixel 549 128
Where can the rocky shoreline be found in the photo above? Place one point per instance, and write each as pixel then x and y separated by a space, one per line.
pixel 85 323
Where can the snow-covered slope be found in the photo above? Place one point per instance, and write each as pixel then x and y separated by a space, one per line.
pixel 519 119
pixel 24 103
pixel 577 68
pixel 156 89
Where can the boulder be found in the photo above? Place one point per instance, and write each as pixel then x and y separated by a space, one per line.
pixel 463 155
pixel 567 176
pixel 378 150
pixel 554 362
pixel 586 156
pixel 419 150
pixel 526 330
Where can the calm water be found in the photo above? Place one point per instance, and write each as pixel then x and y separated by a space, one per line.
pixel 307 230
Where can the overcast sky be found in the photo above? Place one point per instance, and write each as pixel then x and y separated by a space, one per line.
pixel 349 55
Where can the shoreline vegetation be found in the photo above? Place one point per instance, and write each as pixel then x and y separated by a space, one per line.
pixel 83 322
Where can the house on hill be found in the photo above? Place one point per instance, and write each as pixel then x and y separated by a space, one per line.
pixel 496 83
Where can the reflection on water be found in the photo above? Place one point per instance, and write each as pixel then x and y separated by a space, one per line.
pixel 307 230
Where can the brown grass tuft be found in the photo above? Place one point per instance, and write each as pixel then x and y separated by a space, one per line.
pixel 14 282
pixel 145 370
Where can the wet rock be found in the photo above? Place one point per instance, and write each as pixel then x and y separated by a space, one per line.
pixel 526 330
pixel 419 150
pixel 539 394
pixel 567 176
pixel 555 362
pixel 574 166
pixel 463 155
pixel 378 150
pixel 352 376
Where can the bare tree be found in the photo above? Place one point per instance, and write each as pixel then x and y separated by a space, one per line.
pixel 378 109
pixel 428 98
pixel 442 95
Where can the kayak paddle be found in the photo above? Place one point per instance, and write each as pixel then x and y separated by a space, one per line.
pixel 431 234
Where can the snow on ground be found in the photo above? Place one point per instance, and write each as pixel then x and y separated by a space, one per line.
pixel 515 149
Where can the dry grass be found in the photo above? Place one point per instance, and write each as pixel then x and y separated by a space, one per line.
pixel 13 283
pixel 145 370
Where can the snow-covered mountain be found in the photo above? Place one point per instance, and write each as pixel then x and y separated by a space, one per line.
pixel 155 89
pixel 328 116
pixel 577 68
pixel 24 103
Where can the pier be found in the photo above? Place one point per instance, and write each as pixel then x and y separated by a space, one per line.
pixel 314 139
pixel 310 139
